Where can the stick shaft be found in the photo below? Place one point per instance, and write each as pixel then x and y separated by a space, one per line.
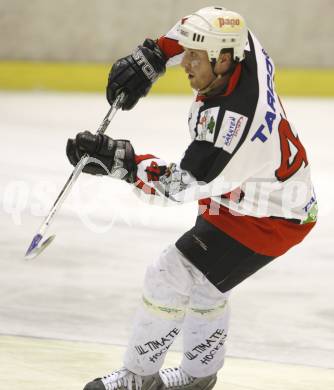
pixel 78 169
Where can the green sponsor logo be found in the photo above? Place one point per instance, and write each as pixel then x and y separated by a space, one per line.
pixel 312 214
pixel 211 125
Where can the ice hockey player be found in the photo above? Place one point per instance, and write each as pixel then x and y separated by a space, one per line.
pixel 246 167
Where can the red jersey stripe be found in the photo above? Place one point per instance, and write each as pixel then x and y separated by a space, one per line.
pixel 233 80
pixel 266 236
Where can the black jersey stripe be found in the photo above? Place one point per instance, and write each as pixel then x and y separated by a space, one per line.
pixel 243 100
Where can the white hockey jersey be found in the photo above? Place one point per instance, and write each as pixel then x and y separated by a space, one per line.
pixel 245 165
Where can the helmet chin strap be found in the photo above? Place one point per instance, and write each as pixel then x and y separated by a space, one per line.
pixel 213 84
pixel 210 86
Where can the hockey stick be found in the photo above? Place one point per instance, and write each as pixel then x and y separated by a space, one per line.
pixel 37 246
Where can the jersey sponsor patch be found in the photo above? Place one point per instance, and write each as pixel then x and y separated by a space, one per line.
pixel 231 131
pixel 206 124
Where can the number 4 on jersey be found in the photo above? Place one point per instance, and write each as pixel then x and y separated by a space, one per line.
pixel 287 168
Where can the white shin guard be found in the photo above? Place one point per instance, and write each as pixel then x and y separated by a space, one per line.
pixel 177 295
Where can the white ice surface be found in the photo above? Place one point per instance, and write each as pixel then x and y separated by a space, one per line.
pixel 87 284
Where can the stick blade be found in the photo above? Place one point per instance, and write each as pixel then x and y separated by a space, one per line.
pixel 34 244
pixel 34 250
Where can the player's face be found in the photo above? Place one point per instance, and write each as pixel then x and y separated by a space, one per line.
pixel 198 68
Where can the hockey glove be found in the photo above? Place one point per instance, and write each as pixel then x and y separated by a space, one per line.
pixel 136 73
pixel 115 158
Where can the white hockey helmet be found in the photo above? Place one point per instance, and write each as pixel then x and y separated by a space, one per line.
pixel 213 29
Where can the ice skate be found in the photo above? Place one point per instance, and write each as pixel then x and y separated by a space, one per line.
pixel 124 379
pixel 177 379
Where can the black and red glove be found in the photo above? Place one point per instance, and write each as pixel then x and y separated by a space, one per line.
pixel 135 74
pixel 111 157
